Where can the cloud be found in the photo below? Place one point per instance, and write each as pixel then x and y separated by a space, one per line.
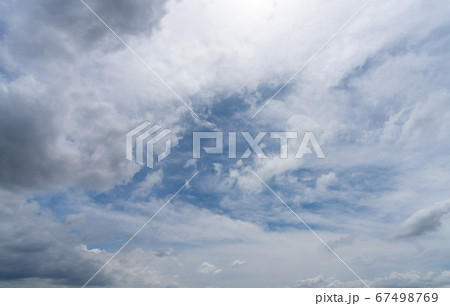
pixel 218 168
pixel 407 279
pixel 324 181
pixel 165 253
pixel 56 130
pixel 341 241
pixel 424 220
pixel 376 98
pixel 145 187
pixel 317 282
pixel 41 247
pixel 48 148
pixel 207 268
pixel 238 263
pixel 63 31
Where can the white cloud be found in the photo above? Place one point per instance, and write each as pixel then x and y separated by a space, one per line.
pixel 238 263
pixel 324 181
pixel 408 279
pixel 145 187
pixel 207 268
pixel 317 282
pixel 217 168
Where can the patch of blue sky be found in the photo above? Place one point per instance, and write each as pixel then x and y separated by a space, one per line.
pixel 295 224
pixel 58 203
pixel 2 30
pixel 227 111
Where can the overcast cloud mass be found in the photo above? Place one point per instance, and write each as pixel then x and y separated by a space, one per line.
pixel 377 98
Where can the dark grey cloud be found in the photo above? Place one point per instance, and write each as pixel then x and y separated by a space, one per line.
pixel 38 250
pixel 39 32
pixel 48 140
pixel 27 134
pixel 425 220
pixel 130 17
pixel 38 116
pixel 34 245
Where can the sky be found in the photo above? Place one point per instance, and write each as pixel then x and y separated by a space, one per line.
pixel 376 97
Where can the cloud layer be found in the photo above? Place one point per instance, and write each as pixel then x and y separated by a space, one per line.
pixel 376 98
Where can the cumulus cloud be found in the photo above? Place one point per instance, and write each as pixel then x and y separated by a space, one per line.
pixel 41 247
pixel 207 268
pixel 57 127
pixel 44 148
pixel 317 282
pixel 62 31
pixel 407 279
pixel 425 220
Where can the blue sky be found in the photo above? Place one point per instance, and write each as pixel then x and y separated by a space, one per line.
pixel 376 97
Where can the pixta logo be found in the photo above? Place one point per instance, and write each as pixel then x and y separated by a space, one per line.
pixel 146 140
pixel 309 141
pixel 142 141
